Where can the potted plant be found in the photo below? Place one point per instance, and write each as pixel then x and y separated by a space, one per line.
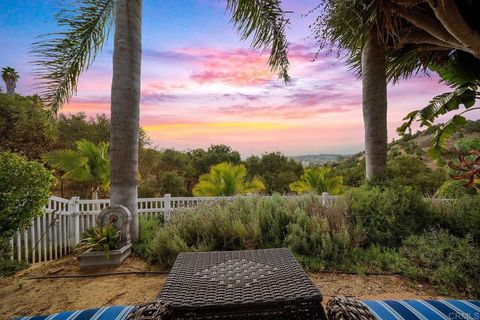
pixel 101 246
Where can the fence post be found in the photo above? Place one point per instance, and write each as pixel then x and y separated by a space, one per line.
pixel 73 222
pixel 324 198
pixel 167 205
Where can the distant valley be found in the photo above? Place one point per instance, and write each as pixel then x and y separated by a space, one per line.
pixel 317 159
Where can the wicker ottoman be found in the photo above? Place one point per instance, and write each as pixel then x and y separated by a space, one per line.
pixel 252 284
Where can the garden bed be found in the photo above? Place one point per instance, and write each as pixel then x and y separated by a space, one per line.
pixel 19 296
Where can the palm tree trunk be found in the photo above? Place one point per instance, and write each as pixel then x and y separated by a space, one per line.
pixel 374 102
pixel 10 88
pixel 125 107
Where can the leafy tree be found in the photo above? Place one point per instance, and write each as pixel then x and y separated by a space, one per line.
pixel 64 55
pixel 10 76
pixel 74 127
pixel 215 154
pixel 88 163
pixel 166 171
pixel 24 190
pixel 25 127
pixel 275 169
pixel 318 180
pixel 225 179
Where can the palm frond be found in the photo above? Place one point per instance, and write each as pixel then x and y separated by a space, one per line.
pixel 88 163
pixel 9 74
pixel 225 179
pixel 81 174
pixel 64 160
pixel 253 186
pixel 300 186
pixel 63 56
pixel 318 180
pixel 265 21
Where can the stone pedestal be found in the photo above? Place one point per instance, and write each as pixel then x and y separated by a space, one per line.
pixel 97 259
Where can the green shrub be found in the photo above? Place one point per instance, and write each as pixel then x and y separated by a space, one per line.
pixel 453 189
pixel 388 214
pixel 24 190
pixel 373 259
pixel 411 170
pixel 149 226
pixel 447 261
pixel 461 217
pixel 303 224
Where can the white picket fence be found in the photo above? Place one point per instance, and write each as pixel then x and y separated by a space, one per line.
pixel 56 233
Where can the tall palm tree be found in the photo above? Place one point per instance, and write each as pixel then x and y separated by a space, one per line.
pixel 10 76
pixel 318 180
pixel 374 105
pixel 398 38
pixel 87 163
pixel 225 179
pixel 365 50
pixel 63 56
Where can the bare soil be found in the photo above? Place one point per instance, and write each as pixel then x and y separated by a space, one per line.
pixel 19 296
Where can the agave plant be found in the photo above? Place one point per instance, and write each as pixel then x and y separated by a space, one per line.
pixel 99 239
pixel 468 170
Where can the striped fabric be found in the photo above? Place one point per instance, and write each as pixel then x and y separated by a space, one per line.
pixel 105 313
pixel 424 309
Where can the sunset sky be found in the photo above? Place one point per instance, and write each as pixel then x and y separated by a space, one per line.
pixel 201 85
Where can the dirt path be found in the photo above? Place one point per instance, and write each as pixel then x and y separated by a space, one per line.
pixel 29 297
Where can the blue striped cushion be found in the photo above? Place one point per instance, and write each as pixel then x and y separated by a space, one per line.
pixel 424 309
pixel 105 313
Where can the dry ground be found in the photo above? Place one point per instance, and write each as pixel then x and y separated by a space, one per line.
pixel 19 296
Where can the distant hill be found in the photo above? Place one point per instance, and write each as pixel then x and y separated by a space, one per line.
pixel 415 144
pixel 317 159
pixel 418 144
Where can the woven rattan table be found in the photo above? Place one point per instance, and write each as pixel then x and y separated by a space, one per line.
pixel 252 284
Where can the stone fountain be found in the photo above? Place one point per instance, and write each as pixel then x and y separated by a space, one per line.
pixel 120 217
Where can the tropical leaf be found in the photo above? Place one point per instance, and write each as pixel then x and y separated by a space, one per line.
pixel 88 163
pixel 225 179
pixel 408 122
pixel 253 186
pixel 63 56
pixel 443 134
pixel 301 186
pixel 464 95
pixel 81 174
pixel 318 180
pixel 64 160
pixel 265 22
pixel 445 103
